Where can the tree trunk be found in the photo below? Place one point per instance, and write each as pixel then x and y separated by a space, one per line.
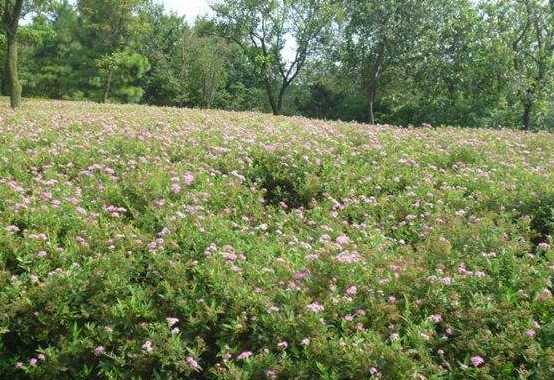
pixel 5 78
pixel 281 97
pixel 370 101
pixel 269 90
pixel 279 105
pixel 107 86
pixel 13 79
pixel 374 75
pixel 527 112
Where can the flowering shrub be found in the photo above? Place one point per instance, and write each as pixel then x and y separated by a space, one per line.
pixel 141 242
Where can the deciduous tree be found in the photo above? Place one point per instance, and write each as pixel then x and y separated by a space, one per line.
pixel 278 36
pixel 528 28
pixel 11 12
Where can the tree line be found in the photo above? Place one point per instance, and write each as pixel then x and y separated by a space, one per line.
pixel 468 63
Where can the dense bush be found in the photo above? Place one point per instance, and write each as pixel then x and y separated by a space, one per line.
pixel 288 181
pixel 141 242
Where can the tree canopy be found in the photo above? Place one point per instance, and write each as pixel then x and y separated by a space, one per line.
pixel 487 63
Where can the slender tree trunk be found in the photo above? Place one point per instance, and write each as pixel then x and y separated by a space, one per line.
pixel 281 96
pixel 526 119
pixel 279 105
pixel 271 97
pixel 374 75
pixel 13 79
pixel 527 113
pixel 107 86
pixel 370 100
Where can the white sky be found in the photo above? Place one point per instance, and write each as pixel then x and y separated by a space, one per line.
pixel 188 8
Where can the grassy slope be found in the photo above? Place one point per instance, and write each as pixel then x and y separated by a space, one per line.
pixel 373 252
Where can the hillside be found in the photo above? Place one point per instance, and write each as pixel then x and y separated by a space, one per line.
pixel 144 242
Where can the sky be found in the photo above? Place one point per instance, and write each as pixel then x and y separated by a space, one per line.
pixel 189 8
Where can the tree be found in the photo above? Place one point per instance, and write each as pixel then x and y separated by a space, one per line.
pixel 11 11
pixel 119 71
pixel 163 43
pixel 278 36
pixel 107 27
pixel 205 69
pixel 461 76
pixel 528 27
pixel 53 55
pixel 379 34
pixel 484 63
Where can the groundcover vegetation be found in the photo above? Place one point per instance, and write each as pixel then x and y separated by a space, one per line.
pixel 151 243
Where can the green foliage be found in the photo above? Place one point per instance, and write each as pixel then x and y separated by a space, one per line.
pixel 403 62
pixel 286 181
pixel 123 68
pixel 265 29
pixel 205 70
pixel 144 242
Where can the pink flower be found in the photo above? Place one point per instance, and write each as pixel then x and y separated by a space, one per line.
pixel 437 318
pixel 301 275
pixel 530 333
pixel 342 240
pixel 152 246
pixel 244 355
pixel 315 307
pixel 352 290
pixel 544 295
pixel 99 350
pixel 312 257
pixel 229 256
pixel 188 179
pixel 33 362
pixel 193 363
pixel 373 371
pixel 172 321
pixel 348 257
pixel 175 188
pixel 282 345
pixel 477 361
